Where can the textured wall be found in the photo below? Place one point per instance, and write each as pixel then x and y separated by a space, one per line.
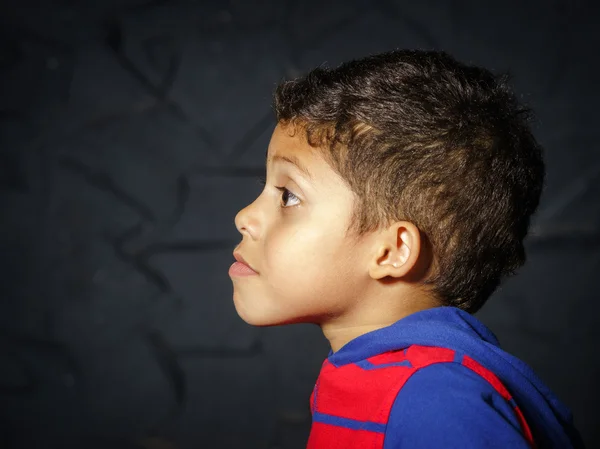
pixel 130 134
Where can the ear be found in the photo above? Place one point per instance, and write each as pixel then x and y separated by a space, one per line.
pixel 396 251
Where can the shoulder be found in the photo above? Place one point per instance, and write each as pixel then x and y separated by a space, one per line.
pixel 449 405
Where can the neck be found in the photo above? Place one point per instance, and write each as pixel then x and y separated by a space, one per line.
pixel 339 336
pixel 341 330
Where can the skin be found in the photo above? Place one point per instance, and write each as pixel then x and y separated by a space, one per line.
pixel 309 270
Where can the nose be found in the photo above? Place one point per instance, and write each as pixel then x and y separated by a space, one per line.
pixel 247 221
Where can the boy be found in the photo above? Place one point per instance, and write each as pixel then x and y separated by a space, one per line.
pixel 399 189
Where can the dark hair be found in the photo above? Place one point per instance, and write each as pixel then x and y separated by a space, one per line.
pixel 421 137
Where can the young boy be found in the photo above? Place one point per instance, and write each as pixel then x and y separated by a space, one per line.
pixel 399 189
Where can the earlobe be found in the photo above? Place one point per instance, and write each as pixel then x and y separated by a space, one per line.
pixel 397 251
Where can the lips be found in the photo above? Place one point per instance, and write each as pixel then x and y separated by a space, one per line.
pixel 237 256
pixel 241 267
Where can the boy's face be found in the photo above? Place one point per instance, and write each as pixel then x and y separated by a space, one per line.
pixel 294 237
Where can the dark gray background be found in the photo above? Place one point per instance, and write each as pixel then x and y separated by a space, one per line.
pixel 130 134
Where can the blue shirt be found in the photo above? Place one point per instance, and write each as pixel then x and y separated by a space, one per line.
pixel 448 405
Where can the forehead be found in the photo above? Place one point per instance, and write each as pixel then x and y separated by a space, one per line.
pixel 289 140
pixel 289 146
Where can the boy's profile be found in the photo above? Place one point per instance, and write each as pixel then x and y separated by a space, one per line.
pixel 399 190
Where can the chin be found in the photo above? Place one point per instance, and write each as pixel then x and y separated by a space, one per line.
pixel 264 316
pixel 251 316
pixel 260 322
pixel 255 318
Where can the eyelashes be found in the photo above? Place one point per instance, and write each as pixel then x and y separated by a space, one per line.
pixel 286 195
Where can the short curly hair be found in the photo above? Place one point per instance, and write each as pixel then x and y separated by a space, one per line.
pixel 419 136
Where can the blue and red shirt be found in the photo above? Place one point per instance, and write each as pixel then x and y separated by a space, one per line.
pixel 436 378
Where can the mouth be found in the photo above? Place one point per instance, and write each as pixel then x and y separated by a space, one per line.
pixel 240 267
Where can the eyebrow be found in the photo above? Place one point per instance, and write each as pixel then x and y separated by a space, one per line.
pixel 296 162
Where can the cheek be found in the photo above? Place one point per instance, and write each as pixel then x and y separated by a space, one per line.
pixel 308 261
pixel 298 247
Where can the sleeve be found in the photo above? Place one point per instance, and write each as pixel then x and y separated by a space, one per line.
pixel 448 405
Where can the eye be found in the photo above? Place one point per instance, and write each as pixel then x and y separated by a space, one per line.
pixel 288 199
